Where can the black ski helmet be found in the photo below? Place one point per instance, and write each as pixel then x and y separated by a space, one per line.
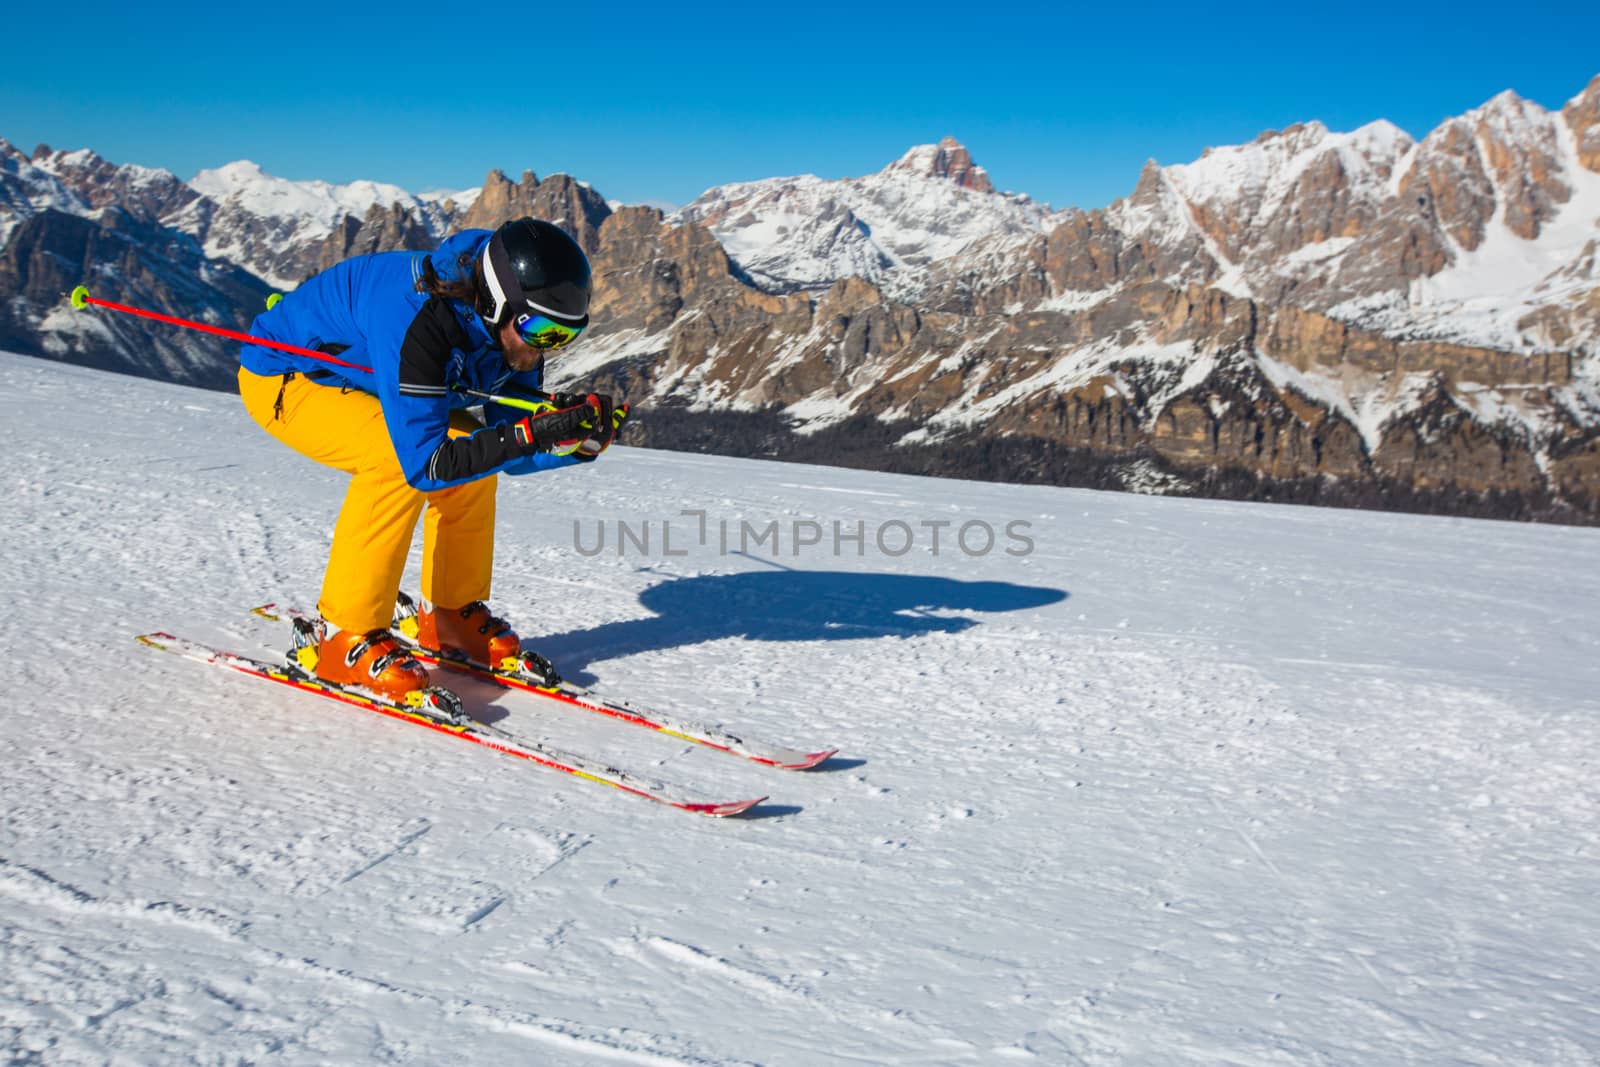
pixel 530 265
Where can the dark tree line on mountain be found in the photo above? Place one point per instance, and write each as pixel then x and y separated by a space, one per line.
pixel 866 443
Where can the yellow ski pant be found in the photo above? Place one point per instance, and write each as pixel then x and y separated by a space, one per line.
pixel 345 430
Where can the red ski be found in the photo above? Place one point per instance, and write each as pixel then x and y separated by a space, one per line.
pixel 711 736
pixel 442 718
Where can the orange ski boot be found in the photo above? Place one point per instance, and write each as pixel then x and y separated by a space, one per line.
pixel 471 632
pixel 378 661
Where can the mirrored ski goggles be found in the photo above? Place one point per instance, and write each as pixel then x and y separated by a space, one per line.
pixel 537 331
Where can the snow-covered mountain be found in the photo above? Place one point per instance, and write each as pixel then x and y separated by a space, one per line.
pixel 312 204
pixel 1373 264
pixel 807 232
pixel 211 249
pixel 1481 234
pixel 1358 318
pixel 1324 313
pixel 261 222
pixel 81 183
pixel 1185 782
pixel 1519 222
pixel 73 217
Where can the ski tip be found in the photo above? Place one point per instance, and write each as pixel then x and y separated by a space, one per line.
pixel 807 762
pixel 266 612
pixel 723 811
pixel 154 640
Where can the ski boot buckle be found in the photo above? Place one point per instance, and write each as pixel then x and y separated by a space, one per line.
pixel 405 621
pixel 307 636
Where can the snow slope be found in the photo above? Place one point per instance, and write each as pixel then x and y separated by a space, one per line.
pixel 1190 782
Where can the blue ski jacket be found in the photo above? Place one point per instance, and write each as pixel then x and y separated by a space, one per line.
pixel 420 347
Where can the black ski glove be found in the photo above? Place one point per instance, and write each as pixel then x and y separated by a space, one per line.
pixel 569 400
pixel 605 433
pixel 561 431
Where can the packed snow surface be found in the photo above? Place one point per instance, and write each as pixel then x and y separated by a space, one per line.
pixel 1187 782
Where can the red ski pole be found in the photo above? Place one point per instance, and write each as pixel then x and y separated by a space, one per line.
pixel 81 299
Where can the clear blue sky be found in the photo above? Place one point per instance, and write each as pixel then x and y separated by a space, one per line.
pixel 660 102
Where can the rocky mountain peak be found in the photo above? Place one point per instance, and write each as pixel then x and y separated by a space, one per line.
pixel 147 192
pixel 1507 104
pixel 1148 185
pixel 1582 114
pixel 1296 137
pixel 500 200
pixel 1313 310
pixel 560 198
pixel 1507 155
pixel 1510 120
pixel 806 232
pixel 949 159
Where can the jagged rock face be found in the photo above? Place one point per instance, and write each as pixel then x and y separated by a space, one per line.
pixel 1439 443
pixel 1520 146
pixel 1236 416
pixel 130 261
pixel 565 201
pixel 1355 318
pixel 385 229
pixel 499 200
pixel 273 249
pixel 949 160
pixel 286 232
pixel 648 275
pixel 1182 325
pixel 27 190
pixel 143 192
pixel 1405 244
pixel 1261 202
pixel 1582 115
pixel 1574 458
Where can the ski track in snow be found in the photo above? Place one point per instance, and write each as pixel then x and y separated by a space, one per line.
pixel 1192 782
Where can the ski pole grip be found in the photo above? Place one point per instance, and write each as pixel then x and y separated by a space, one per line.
pixel 80 298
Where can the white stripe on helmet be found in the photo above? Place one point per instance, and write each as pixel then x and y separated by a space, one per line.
pixel 551 312
pixel 496 291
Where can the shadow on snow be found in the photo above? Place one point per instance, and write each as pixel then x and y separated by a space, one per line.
pixel 789 605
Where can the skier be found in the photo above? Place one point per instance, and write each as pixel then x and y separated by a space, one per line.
pixel 479 313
